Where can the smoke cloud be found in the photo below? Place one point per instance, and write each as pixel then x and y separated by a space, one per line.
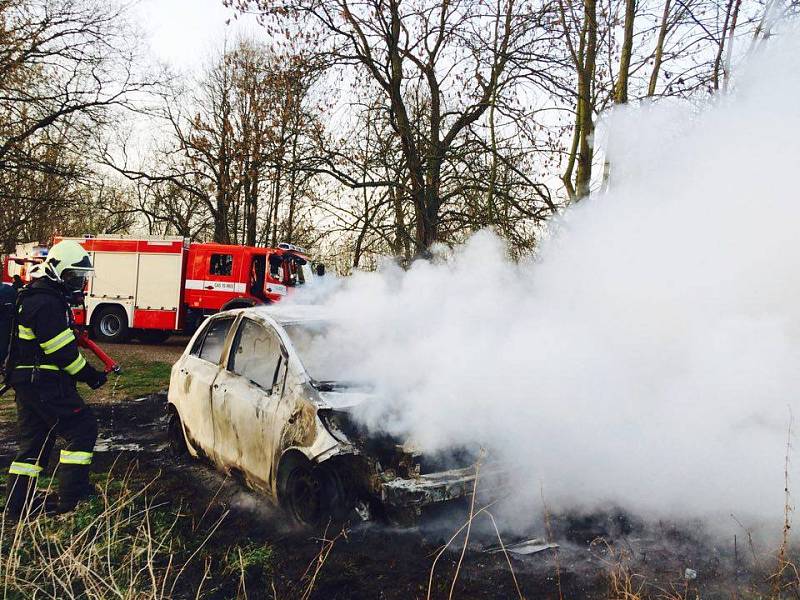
pixel 649 356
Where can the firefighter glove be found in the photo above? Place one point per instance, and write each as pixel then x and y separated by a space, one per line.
pixel 97 379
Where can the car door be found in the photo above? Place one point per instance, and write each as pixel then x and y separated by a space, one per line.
pixel 244 397
pixel 199 370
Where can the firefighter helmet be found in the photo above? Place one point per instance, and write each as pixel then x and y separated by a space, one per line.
pixel 65 260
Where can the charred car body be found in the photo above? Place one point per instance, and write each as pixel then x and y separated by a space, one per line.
pixel 243 396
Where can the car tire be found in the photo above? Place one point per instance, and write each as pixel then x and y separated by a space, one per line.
pixel 110 324
pixel 175 435
pixel 302 495
pixel 153 336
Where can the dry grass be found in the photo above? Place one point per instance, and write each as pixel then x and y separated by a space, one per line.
pixel 549 533
pixel 467 527
pixel 623 583
pixel 786 577
pixel 316 564
pixel 121 544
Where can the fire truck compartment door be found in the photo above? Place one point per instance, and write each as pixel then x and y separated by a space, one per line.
pixel 114 275
pixel 159 281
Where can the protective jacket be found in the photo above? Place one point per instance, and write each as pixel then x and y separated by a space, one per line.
pixel 44 365
pixel 45 349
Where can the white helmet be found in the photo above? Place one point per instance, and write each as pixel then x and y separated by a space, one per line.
pixel 66 260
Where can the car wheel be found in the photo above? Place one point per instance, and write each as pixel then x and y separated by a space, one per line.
pixel 175 436
pixel 110 324
pixel 302 495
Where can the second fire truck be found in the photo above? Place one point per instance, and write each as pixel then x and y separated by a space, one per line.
pixel 151 287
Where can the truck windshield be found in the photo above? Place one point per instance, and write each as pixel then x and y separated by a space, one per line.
pixel 324 357
pixel 288 269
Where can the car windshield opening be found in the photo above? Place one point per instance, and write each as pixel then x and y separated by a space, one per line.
pixel 327 361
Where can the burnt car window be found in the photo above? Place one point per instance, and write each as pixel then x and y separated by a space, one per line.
pixel 215 340
pixel 198 341
pixel 221 264
pixel 328 355
pixel 325 355
pixel 256 354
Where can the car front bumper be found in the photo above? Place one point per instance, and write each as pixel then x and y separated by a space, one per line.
pixel 434 488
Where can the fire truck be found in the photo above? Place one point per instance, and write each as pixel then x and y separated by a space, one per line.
pixel 152 287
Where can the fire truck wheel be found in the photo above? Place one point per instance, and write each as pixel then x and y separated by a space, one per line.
pixel 110 324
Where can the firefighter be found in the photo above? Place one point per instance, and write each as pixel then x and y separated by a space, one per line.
pixel 44 366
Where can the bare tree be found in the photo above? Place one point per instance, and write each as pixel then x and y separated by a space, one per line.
pixel 64 66
pixel 453 55
pixel 228 167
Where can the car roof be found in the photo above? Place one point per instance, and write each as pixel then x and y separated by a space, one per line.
pixel 285 314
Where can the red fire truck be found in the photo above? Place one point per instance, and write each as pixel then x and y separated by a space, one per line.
pixel 151 287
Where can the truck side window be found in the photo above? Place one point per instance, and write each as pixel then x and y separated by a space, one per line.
pixel 221 264
pixel 215 340
pixel 256 354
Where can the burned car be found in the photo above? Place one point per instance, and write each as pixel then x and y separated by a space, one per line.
pixel 246 394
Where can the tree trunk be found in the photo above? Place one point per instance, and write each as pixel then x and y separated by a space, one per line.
pixel 731 30
pixel 621 89
pixel 428 221
pixel 251 208
pixel 586 74
pixel 221 221
pixel 402 246
pixel 275 204
pixel 659 52
pixel 721 46
pixel 292 190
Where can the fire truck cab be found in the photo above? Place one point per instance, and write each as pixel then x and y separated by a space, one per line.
pixel 219 276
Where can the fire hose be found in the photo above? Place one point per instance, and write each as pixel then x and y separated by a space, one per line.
pixel 109 364
pixel 83 341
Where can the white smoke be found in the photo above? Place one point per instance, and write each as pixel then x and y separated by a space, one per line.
pixel 650 356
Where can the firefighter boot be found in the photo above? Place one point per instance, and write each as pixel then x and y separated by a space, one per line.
pixel 19 491
pixel 73 486
pixel 21 497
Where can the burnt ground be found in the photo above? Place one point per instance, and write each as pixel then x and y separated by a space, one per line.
pixel 380 561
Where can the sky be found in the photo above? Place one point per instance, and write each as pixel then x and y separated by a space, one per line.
pixel 184 33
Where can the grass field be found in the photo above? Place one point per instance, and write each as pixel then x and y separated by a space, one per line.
pixel 145 370
pixel 138 378
pixel 130 541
